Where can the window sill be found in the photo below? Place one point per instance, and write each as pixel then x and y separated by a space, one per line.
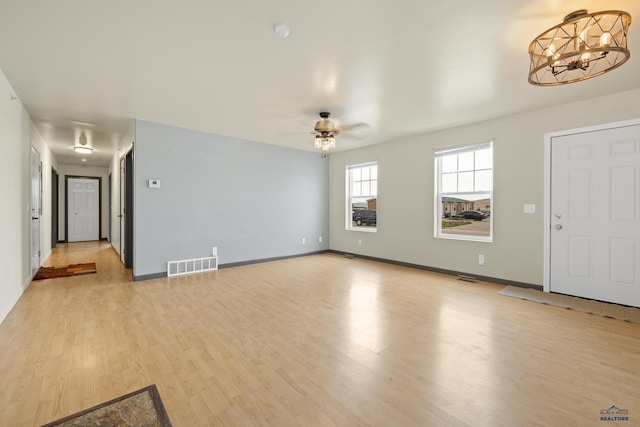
pixel 363 229
pixel 481 239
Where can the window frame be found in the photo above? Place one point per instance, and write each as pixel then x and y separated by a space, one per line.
pixel 439 153
pixel 349 226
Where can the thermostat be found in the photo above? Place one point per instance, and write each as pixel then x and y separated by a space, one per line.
pixel 154 183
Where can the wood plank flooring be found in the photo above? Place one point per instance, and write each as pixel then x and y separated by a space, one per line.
pixel 318 340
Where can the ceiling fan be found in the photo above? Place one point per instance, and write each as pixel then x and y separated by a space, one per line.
pixel 325 132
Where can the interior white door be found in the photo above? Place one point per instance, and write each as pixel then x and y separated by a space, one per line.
pixel 36 188
pixel 595 215
pixel 83 209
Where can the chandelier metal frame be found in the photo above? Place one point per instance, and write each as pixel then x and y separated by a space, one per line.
pixel 583 46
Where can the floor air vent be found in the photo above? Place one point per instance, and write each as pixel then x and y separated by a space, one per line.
pixel 188 266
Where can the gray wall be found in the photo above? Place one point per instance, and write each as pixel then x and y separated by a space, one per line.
pixel 406 194
pixel 253 201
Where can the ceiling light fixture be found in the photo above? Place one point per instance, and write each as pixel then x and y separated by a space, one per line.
pixel 82 146
pixel 325 139
pixel 585 45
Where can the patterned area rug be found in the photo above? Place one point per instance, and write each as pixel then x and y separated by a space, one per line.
pixel 605 309
pixel 66 271
pixel 140 408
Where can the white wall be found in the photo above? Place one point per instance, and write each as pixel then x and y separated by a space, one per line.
pixel 17 134
pixel 48 163
pixel 83 171
pixel 406 191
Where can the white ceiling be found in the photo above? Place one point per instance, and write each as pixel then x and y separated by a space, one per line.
pixel 383 69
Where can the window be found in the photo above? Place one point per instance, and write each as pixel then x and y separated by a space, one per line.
pixel 362 197
pixel 464 180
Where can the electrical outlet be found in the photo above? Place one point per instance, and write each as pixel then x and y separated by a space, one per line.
pixel 359 242
pixel 529 208
pixel 215 251
pixel 320 239
pixel 304 241
pixel 481 259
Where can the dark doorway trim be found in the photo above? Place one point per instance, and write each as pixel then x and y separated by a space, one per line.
pixel 54 207
pixel 128 210
pixel 109 209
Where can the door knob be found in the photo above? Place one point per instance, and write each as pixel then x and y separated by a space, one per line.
pixel 558 227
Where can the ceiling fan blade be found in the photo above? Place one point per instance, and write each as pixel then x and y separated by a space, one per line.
pixel 355 131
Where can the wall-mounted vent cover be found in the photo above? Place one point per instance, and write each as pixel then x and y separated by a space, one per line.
pixel 188 266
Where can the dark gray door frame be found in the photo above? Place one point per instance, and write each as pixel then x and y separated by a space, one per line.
pixel 54 207
pixel 128 210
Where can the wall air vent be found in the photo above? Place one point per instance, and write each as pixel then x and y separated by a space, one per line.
pixel 189 266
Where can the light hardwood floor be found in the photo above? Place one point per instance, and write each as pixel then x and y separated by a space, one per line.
pixel 317 340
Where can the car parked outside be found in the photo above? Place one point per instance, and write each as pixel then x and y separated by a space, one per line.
pixel 474 215
pixel 364 217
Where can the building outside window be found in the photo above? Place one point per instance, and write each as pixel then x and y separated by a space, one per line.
pixel 464 192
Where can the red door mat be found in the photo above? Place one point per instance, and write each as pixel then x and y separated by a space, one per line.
pixel 66 271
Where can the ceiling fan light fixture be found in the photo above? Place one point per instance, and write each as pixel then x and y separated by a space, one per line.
pixel 583 46
pixel 325 139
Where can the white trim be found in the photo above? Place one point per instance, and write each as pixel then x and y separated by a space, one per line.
pixel 593 128
pixel 359 165
pixel 462 147
pixel 444 151
pixel 364 229
pixel 547 214
pixel 546 275
pixel 126 150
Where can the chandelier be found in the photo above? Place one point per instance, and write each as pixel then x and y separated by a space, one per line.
pixel 325 138
pixel 585 45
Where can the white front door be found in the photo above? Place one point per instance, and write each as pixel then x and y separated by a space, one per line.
pixel 595 215
pixel 83 209
pixel 36 188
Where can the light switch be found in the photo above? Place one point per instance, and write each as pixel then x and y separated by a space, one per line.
pixel 529 208
pixel 154 183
